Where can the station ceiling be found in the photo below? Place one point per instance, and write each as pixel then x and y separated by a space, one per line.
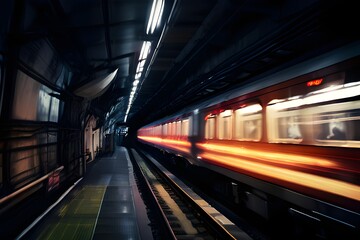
pixel 199 48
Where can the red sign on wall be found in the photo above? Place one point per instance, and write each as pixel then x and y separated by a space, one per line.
pixel 315 82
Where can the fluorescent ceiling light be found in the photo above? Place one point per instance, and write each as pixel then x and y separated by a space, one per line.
pixel 155 16
pixel 153 22
pixel 145 50
pixel 136 82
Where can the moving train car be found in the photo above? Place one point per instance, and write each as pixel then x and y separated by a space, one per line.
pixel 293 135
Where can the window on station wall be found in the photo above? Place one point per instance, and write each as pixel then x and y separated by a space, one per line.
pixel 185 127
pixel 225 125
pixel 33 100
pixel 210 124
pixel 248 123
pixel 40 56
pixel 43 104
pixel 54 110
pixel 25 98
pixel 327 117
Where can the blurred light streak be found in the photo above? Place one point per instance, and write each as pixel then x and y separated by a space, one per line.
pixel 181 145
pixel 267 156
pixel 299 178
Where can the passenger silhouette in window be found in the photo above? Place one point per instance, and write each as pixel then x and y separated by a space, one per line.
pixel 337 134
pixel 250 129
pixel 293 128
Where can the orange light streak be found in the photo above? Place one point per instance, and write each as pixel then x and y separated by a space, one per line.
pixel 181 145
pixel 267 156
pixel 300 178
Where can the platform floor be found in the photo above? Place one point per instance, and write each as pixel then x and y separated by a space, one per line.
pixel 106 204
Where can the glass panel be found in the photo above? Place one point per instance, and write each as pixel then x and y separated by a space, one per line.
pixel 178 128
pixel 248 123
pixel 173 129
pixel 54 110
pixel 289 127
pixel 302 119
pixel 210 128
pixel 225 126
pixel 25 98
pixel 164 130
pixel 286 126
pixel 43 104
pixel 185 127
pixel 32 100
pixel 337 124
pixel 40 56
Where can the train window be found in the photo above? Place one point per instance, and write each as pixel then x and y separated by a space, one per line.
pixel 149 131
pixel 327 117
pixel 172 129
pixel 185 127
pixel 248 123
pixel 337 124
pixel 178 128
pixel 210 127
pixel 286 123
pixel 164 130
pixel 158 131
pixel 225 125
pixel 154 131
pixel 168 129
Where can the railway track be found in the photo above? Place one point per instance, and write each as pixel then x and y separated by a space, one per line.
pixel 174 212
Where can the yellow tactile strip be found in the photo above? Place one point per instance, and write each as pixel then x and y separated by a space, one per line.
pixel 77 218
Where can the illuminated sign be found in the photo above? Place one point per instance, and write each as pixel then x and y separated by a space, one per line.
pixel 315 82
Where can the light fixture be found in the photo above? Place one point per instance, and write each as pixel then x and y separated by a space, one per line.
pixel 155 16
pixel 153 22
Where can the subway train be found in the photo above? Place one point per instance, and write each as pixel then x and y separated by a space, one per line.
pixel 292 135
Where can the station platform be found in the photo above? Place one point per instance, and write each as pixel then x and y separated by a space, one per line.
pixel 105 204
